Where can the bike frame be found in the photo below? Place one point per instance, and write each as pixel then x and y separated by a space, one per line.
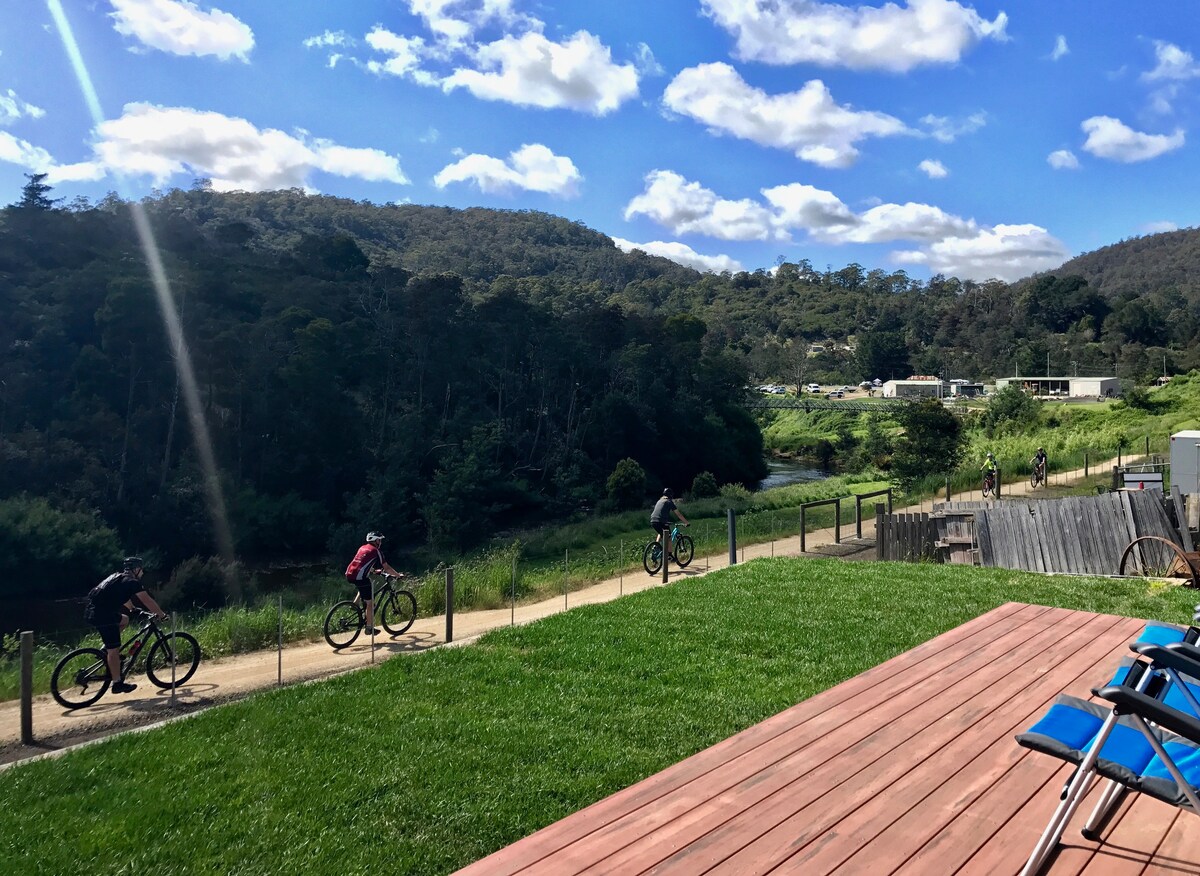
pixel 144 634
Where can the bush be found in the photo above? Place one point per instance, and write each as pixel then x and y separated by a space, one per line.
pixel 40 545
pixel 704 486
pixel 735 496
pixel 1012 409
pixel 208 583
pixel 626 486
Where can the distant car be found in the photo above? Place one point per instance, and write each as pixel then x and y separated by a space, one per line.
pixel 813 387
pixel 835 393
pixel 846 389
pixel 778 390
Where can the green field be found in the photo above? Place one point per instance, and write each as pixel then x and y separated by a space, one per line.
pixel 428 762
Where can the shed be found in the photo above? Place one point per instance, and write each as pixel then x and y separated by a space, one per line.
pixel 914 389
pixel 1185 461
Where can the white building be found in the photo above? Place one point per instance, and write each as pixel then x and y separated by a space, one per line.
pixel 1068 387
pixel 930 388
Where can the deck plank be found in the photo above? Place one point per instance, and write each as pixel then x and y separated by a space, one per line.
pixel 909 768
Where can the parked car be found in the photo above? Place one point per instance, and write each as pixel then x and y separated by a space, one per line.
pixel 813 387
pixel 835 393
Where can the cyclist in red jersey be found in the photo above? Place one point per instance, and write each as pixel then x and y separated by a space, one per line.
pixel 368 559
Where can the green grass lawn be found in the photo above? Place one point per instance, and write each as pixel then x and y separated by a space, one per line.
pixel 428 762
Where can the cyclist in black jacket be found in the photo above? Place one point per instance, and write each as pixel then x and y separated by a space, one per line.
pixel 104 611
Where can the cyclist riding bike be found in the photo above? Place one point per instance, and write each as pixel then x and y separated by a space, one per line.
pixel 1039 462
pixel 989 470
pixel 105 602
pixel 660 517
pixel 368 559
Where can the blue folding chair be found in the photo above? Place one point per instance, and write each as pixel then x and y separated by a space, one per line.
pixel 1147 740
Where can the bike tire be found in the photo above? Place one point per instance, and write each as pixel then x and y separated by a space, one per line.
pixel 343 624
pixel 399 612
pixel 1033 478
pixel 652 558
pixel 186 651
pixel 685 549
pixel 80 678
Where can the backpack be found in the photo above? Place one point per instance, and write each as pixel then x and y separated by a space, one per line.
pixel 100 589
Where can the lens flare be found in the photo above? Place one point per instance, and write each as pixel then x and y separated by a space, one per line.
pixel 166 304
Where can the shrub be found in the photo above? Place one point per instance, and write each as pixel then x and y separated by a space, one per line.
pixel 704 486
pixel 207 583
pixel 735 496
pixel 627 485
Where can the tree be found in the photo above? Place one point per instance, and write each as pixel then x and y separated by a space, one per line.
pixel 626 486
pixel 932 443
pixel 1012 408
pixel 882 355
pixel 33 193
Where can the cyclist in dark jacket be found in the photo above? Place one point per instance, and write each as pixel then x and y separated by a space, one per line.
pixel 660 517
pixel 104 611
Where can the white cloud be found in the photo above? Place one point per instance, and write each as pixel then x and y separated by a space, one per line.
pixel 1060 48
pixel 933 169
pixel 947 130
pixel 689 208
pixel 406 54
pixel 82 171
pixel 531 70
pixel 1063 159
pixel 1174 64
pixel 180 27
pixel 682 254
pixel 23 153
pixel 1110 138
pixel 888 37
pixel 454 22
pixel 532 168
pixel 330 38
pixel 949 244
pixel 807 122
pixel 1159 227
pixel 646 63
pixel 160 142
pixel 13 108
pixel 1004 252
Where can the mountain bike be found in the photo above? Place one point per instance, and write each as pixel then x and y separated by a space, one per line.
pixel 989 484
pixel 682 551
pixel 1037 476
pixel 395 608
pixel 82 676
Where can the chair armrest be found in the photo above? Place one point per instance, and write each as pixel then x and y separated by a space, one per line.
pixel 1129 701
pixel 1174 657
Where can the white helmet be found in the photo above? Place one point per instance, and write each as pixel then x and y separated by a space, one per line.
pixel 373 537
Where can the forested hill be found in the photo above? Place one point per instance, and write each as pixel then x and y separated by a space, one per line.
pixel 344 390
pixel 476 243
pixel 1142 265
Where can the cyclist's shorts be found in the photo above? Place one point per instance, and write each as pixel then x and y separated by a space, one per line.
pixel 110 633
pixel 364 589
pixel 660 527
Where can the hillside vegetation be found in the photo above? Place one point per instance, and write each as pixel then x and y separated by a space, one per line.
pixel 449 374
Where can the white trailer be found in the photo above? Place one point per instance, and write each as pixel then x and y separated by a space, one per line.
pixel 1185 461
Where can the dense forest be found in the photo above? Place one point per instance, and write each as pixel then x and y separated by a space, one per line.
pixel 446 374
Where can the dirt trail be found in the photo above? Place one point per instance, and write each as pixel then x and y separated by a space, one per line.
pixel 238 676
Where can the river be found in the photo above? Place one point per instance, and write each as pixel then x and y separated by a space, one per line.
pixel 781 472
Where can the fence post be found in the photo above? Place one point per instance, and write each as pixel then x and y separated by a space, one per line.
pixel 803 530
pixel 858 516
pixel 621 586
pixel 999 480
pixel 450 604
pixel 174 658
pixel 27 687
pixel 1147 445
pixel 566 572
pixel 279 671
pixel 947 488
pixel 837 521
pixel 732 522
pixel 880 554
pixel 1085 465
pixel 667 545
pixel 889 489
pixel 514 591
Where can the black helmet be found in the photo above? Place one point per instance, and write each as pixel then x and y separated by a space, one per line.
pixel 374 537
pixel 132 564
pixel 667 492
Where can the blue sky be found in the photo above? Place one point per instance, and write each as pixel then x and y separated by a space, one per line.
pixel 976 140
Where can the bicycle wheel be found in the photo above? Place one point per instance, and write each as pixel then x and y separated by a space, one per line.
pixel 186 651
pixel 80 678
pixel 399 612
pixel 987 488
pixel 652 558
pixel 343 624
pixel 685 549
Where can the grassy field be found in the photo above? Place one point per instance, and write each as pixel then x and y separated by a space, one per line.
pixel 428 762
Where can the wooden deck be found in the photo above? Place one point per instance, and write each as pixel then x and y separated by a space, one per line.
pixel 908 768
